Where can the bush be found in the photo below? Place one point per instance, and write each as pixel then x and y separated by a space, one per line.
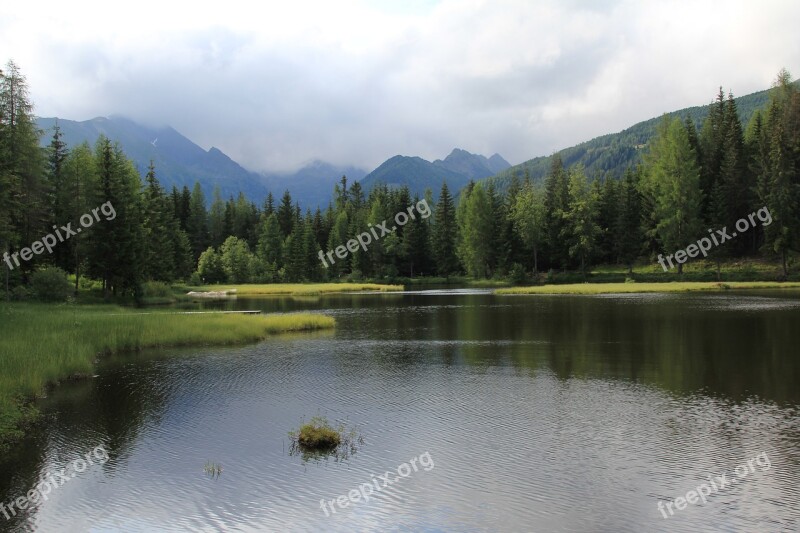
pixel 20 293
pixel 517 274
pixel 156 289
pixel 195 279
pixel 50 285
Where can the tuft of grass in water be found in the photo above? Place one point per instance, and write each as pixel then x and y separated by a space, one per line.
pixel 301 289
pixel 609 288
pixel 212 469
pixel 43 344
pixel 318 434
pixel 318 438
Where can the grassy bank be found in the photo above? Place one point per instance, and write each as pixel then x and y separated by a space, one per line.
pixel 300 289
pixel 43 344
pixel 608 288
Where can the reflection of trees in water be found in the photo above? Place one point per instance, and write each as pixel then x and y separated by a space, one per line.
pixel 109 410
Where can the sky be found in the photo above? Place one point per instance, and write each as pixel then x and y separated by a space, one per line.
pixel 276 85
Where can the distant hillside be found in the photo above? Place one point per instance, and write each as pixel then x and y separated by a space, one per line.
pixel 613 153
pixel 181 162
pixel 457 169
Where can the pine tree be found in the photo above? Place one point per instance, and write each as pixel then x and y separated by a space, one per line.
pixel 62 197
pixel 628 228
pixel 286 214
pixel 445 234
pixel 197 223
pixel 158 230
pixel 556 205
pixel 216 220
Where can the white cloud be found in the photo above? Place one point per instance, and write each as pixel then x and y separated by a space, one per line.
pixel 357 82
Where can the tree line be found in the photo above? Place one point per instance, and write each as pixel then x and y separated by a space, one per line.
pixel 690 180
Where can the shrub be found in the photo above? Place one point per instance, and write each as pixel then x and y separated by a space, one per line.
pixel 50 285
pixel 517 274
pixel 156 289
pixel 20 293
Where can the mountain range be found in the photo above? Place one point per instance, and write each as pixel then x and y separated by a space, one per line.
pixel 179 161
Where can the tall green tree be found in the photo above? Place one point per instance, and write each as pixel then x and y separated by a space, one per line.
pixel 477 230
pixel 672 181
pixel 556 205
pixel 444 234
pixel 582 231
pixel 530 218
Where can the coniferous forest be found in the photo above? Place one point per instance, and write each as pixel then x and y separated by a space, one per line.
pixel 690 180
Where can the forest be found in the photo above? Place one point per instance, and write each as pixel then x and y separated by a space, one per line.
pixel 690 179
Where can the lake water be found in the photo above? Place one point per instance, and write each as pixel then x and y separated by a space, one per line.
pixel 521 413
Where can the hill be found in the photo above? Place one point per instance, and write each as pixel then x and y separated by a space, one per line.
pixel 613 153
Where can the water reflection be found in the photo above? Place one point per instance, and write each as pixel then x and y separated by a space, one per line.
pixel 555 413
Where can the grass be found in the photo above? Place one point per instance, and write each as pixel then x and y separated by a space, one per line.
pixel 607 288
pixel 42 344
pixel 318 434
pixel 300 289
pixel 318 438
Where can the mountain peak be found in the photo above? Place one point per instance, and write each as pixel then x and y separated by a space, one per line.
pixel 474 166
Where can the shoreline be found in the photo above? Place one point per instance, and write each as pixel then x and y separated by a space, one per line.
pixel 648 287
pixel 43 345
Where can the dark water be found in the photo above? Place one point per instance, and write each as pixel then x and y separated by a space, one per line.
pixel 551 413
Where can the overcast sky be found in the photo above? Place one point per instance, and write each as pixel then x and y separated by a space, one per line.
pixel 356 82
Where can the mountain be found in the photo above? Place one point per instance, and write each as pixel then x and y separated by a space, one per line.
pixel 472 165
pixel 180 162
pixel 457 169
pixel 613 153
pixel 313 184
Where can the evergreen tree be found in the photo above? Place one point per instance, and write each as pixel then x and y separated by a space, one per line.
pixel 216 220
pixel 286 216
pixel 556 205
pixel 673 183
pixel 628 227
pixel 444 234
pixel 197 223
pixel 477 229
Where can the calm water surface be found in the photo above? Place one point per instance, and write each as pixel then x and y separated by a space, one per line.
pixel 539 413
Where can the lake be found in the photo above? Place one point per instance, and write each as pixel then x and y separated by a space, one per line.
pixel 478 413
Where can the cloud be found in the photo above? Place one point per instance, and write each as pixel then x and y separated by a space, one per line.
pixel 355 82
